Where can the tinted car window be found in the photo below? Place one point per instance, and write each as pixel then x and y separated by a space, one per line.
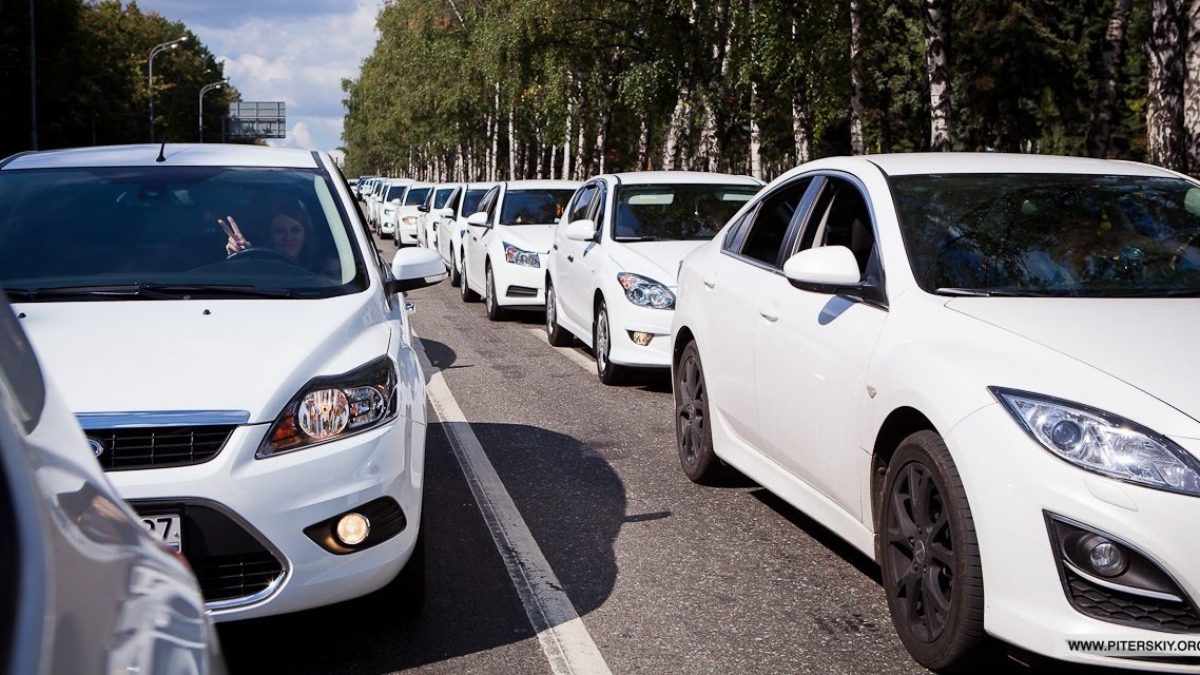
pixel 1053 234
pixel 394 192
pixel 20 373
pixel 134 227
pixel 416 196
pixel 441 196
pixel 530 207
pixel 769 229
pixel 579 210
pixel 841 218
pixel 676 211
pixel 471 201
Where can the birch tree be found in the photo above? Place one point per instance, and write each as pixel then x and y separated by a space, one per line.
pixel 937 40
pixel 1164 104
pixel 1106 95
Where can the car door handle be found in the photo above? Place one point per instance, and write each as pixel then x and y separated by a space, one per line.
pixel 556 247
pixel 769 312
pixel 710 280
pixel 570 258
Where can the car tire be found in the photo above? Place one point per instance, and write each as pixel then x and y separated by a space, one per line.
pixel 608 372
pixel 556 335
pixel 455 275
pixel 490 302
pixel 693 433
pixel 929 556
pixel 464 291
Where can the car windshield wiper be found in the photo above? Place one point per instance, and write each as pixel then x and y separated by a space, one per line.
pixel 648 237
pixel 150 291
pixel 996 293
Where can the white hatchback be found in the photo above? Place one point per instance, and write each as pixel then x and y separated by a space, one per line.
pixel 238 355
pixel 980 371
pixel 610 274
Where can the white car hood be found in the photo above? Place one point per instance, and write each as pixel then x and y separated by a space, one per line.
pixel 657 260
pixel 151 355
pixel 533 238
pixel 1147 343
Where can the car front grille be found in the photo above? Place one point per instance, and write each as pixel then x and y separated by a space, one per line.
pixel 1131 610
pixel 236 576
pixel 128 449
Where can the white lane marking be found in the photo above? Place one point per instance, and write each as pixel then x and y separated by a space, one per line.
pixel 565 640
pixel 573 355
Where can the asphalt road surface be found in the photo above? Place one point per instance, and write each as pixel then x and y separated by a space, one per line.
pixel 666 576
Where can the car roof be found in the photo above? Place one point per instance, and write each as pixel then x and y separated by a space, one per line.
pixel 681 178
pixel 919 163
pixel 176 154
pixel 543 184
pixel 485 185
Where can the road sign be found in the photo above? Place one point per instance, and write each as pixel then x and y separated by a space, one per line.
pixel 256 119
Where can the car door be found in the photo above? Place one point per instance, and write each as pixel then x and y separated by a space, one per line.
pixel 751 257
pixel 573 285
pixel 812 350
pixel 444 224
pixel 478 237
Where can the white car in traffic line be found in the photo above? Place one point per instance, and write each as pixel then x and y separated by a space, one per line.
pixel 408 214
pixel 392 196
pixel 610 275
pixel 450 238
pixel 507 241
pixel 979 370
pixel 433 212
pixel 248 377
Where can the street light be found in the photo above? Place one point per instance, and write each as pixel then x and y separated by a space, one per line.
pixel 204 90
pixel 150 77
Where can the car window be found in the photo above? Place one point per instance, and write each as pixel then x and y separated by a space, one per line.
pixel 534 207
pixel 472 200
pixel 582 204
pixel 416 196
pixel 598 205
pixel 20 373
pixel 765 238
pixel 394 192
pixel 441 197
pixel 488 203
pixel 173 226
pixel 840 217
pixel 676 211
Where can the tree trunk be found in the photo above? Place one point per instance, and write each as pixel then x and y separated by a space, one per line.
pixel 756 167
pixel 1164 104
pixel 674 132
pixel 937 43
pixel 579 168
pixel 1191 90
pixel 643 160
pixel 512 147
pixel 801 118
pixel 1103 107
pixel 553 153
pixel 856 78
pixel 566 165
pixel 494 171
pixel 710 141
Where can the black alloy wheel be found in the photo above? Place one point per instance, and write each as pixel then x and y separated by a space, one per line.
pixel 494 311
pixel 555 334
pixel 608 372
pixel 464 291
pixel 455 275
pixel 693 436
pixel 930 557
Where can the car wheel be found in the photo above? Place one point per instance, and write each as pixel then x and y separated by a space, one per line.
pixel 455 275
pixel 555 334
pixel 464 291
pixel 609 372
pixel 494 311
pixel 693 435
pixel 930 557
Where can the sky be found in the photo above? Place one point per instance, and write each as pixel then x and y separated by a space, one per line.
pixel 296 51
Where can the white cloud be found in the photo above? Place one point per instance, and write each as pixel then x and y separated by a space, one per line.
pixel 298 56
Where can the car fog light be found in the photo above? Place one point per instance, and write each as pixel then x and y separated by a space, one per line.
pixel 641 338
pixel 1106 558
pixel 353 528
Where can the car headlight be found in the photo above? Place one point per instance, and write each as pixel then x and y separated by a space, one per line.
pixel 645 292
pixel 518 256
pixel 330 408
pixel 409 220
pixel 1102 442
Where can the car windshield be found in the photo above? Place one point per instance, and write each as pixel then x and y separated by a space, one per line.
pixel 471 202
pixel 440 197
pixel 1052 234
pixel 534 207
pixel 394 192
pixel 416 196
pixel 157 232
pixel 656 212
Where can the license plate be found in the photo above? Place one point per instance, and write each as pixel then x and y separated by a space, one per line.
pixel 165 527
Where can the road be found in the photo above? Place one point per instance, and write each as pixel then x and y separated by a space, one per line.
pixel 667 576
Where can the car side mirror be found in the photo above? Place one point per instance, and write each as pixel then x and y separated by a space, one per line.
pixel 423 209
pixel 396 201
pixel 478 219
pixel 828 269
pixel 581 230
pixel 444 213
pixel 414 268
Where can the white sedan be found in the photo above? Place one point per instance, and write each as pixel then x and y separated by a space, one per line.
pixel 248 379
pixel 450 236
pixel 980 371
pixel 610 277
pixel 507 241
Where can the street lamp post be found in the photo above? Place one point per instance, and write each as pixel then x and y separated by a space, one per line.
pixel 150 76
pixel 204 90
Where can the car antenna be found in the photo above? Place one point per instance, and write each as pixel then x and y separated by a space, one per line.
pixel 162 157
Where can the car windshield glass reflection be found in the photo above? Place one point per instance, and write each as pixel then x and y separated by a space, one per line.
pixel 656 212
pixel 534 207
pixel 1068 235
pixel 163 232
pixel 416 196
pixel 394 192
pixel 471 201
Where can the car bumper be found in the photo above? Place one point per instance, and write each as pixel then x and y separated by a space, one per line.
pixel 519 286
pixel 275 499
pixel 624 318
pixel 387 227
pixel 407 233
pixel 1012 483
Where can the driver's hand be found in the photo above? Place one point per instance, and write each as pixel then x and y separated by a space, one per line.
pixel 236 242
